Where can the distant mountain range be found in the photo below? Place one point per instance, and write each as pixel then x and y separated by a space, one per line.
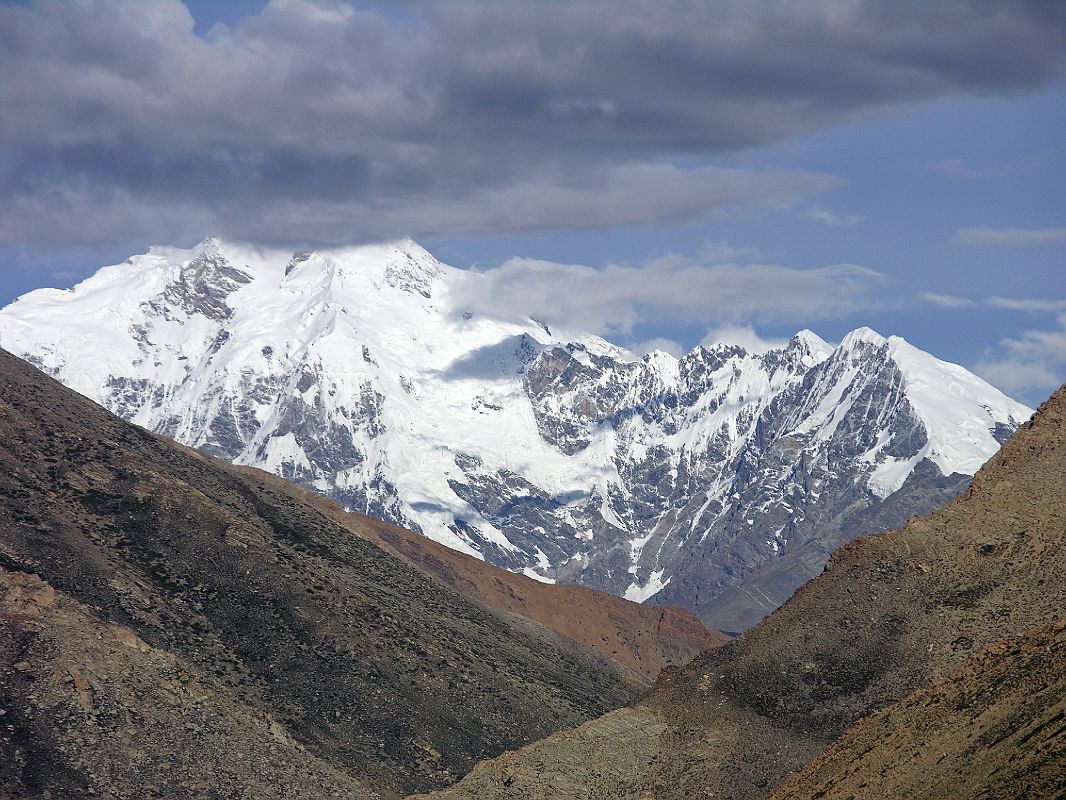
pixel 719 481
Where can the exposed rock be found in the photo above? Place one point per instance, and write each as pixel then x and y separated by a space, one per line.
pixel 994 728
pixel 152 725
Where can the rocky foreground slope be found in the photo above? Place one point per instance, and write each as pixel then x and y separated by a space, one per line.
pixel 719 481
pixel 891 614
pixel 995 728
pixel 171 626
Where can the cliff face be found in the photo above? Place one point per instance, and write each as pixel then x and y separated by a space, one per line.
pixel 891 614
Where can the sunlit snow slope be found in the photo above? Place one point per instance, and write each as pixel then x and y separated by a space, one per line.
pixel 719 481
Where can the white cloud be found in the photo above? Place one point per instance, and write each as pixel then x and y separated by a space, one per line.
pixel 1027 304
pixel 670 290
pixel 725 253
pixel 1048 345
pixel 1033 361
pixel 833 220
pixel 1029 365
pixel 1034 304
pixel 1009 237
pixel 651 345
pixel 1017 377
pixel 743 335
pixel 946 300
pixel 953 168
pixel 957 168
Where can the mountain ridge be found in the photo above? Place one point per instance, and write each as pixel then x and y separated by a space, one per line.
pixel 991 729
pixel 719 481
pixel 642 639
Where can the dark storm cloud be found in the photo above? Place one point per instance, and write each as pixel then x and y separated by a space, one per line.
pixel 317 122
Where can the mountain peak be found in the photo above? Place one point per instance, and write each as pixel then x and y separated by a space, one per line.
pixel 401 264
pixel 209 245
pixel 412 268
pixel 814 348
pixel 206 281
pixel 812 341
pixel 862 335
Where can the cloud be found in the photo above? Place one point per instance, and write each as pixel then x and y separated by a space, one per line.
pixel 625 194
pixel 1008 237
pixel 1019 377
pixel 674 289
pixel 829 218
pixel 327 123
pixel 743 335
pixel 946 300
pixel 957 168
pixel 652 345
pixel 725 253
pixel 1043 344
pixel 1026 304
pixel 1033 361
pixel 1009 303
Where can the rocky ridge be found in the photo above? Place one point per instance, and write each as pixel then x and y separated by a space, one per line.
pixel 90 707
pixel 994 728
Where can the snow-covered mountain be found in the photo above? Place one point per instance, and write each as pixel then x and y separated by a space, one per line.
pixel 719 481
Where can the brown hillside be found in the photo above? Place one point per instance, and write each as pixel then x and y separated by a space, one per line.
pixel 91 707
pixel 889 614
pixel 995 728
pixel 369 675
pixel 643 638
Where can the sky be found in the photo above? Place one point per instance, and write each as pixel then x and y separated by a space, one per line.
pixel 661 173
